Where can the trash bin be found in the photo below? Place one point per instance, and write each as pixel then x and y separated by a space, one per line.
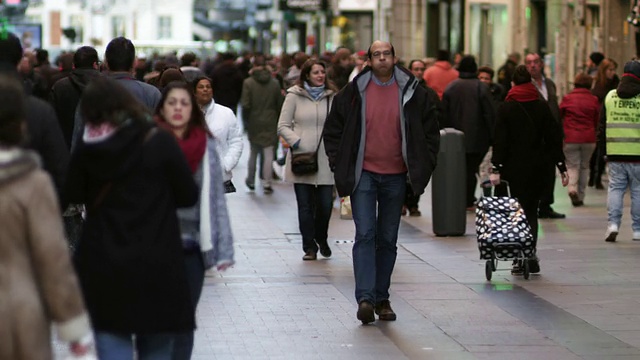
pixel 448 202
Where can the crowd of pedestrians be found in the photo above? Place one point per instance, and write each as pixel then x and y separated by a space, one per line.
pixel 148 149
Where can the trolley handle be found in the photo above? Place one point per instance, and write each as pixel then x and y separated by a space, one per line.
pixel 486 185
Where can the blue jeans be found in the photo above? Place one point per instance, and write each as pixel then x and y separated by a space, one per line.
pixel 621 176
pixel 120 346
pixel 376 204
pixel 183 342
pixel 314 212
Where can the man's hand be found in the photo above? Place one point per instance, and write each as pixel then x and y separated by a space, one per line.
pixel 565 178
pixel 495 179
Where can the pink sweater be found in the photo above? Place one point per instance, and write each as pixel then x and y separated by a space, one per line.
pixel 439 76
pixel 383 147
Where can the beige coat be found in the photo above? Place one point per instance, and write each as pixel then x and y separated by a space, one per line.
pixel 38 285
pixel 302 119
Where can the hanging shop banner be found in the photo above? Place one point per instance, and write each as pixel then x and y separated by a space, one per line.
pixel 303 5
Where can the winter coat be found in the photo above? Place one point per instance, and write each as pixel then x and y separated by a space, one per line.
pixel 552 98
pixel 37 283
pixel 524 132
pixel 301 122
pixel 439 76
pixel 45 137
pixel 148 95
pixel 580 112
pixel 261 103
pixel 129 258
pixel 226 80
pixel 344 138
pixel 467 106
pixel 602 91
pixel 223 124
pixel 65 96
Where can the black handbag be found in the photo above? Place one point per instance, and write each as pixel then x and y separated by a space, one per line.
pixel 305 163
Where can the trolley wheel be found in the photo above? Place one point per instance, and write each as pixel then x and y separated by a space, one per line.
pixel 525 268
pixel 488 269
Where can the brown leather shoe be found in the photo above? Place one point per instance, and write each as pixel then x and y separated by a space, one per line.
pixel 384 311
pixel 310 255
pixel 365 312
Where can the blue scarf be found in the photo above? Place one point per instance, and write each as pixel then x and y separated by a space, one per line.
pixel 314 91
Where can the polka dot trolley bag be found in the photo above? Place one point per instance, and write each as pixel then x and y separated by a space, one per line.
pixel 502 228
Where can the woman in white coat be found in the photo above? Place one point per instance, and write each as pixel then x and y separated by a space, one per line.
pixel 224 126
pixel 301 122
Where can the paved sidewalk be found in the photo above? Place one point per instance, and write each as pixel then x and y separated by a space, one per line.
pixel 272 305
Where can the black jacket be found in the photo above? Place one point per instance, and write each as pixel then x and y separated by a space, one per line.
pixel 130 258
pixel 65 96
pixel 344 138
pixel 467 106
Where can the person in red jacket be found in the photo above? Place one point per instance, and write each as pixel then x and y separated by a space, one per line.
pixel 580 111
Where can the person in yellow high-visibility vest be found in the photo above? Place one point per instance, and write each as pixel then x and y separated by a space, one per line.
pixel 620 135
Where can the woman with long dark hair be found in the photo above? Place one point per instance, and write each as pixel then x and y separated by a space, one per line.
pixel 132 178
pixel 207 241
pixel 525 131
pixel 305 109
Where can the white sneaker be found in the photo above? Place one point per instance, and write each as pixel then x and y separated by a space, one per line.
pixel 636 236
pixel 612 233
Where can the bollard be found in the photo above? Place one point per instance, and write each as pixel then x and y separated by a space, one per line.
pixel 448 203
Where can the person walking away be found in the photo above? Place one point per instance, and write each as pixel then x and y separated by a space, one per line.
pixel 593 62
pixel 227 79
pixel 341 67
pixel 467 106
pixel 129 259
pixel 301 122
pixel 224 126
pixel 261 103
pixel 207 240
pixel 619 135
pixel 39 287
pixel 505 72
pixel 605 81
pixel 547 90
pixel 381 129
pixel 580 113
pixel 441 73
pixel 120 56
pixel 66 93
pixel 525 131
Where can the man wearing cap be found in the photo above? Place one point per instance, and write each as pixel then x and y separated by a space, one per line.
pixel 619 135
pixel 467 106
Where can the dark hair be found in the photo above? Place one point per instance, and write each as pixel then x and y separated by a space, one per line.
pixel 194 83
pixel 414 61
pixel 306 70
pixel 299 59
pixel 393 51
pixel 521 75
pixel 105 100
pixel 227 56
pixel 10 49
pixel 170 74
pixel 120 54
pixel 259 60
pixel 42 56
pixel 583 81
pixel 65 61
pixel 187 59
pixel 197 116
pixel 486 69
pixel 12 112
pixel 85 57
pixel 443 55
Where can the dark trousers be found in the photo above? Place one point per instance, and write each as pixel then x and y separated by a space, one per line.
pixel 547 186
pixel 528 196
pixel 596 166
pixel 183 344
pixel 410 199
pixel 314 212
pixel 473 165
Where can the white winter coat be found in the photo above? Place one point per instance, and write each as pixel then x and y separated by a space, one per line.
pixel 302 118
pixel 223 124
